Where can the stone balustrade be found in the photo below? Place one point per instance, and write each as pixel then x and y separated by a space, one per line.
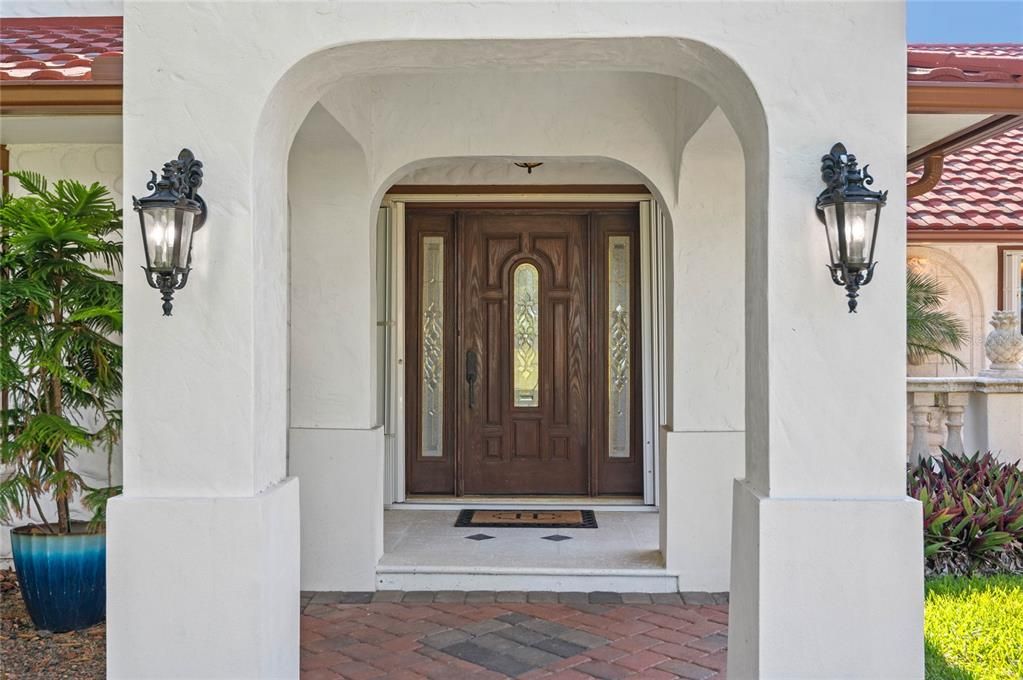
pixel 976 413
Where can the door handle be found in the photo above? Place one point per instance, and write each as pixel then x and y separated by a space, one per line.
pixel 472 375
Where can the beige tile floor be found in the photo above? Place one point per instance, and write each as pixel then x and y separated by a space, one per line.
pixel 623 540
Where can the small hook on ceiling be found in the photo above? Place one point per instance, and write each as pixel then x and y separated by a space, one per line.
pixel 528 166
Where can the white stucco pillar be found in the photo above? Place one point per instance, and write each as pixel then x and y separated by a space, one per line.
pixel 334 446
pixel 203 556
pixel 827 556
pixel 704 449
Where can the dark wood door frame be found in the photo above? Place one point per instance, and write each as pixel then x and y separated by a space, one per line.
pixel 618 217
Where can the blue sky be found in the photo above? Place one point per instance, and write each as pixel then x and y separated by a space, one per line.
pixel 964 21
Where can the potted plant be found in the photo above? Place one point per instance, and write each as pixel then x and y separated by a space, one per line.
pixel 60 375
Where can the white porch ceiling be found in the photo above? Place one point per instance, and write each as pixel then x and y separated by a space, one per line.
pixel 927 128
pixel 61 129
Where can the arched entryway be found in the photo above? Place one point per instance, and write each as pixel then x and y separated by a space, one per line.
pixel 603 137
pixel 807 454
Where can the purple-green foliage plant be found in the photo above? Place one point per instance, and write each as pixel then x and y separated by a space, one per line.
pixel 973 512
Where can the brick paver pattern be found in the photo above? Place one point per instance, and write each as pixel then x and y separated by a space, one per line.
pixel 560 636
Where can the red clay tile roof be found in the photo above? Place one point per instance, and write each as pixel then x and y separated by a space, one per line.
pixel 981 189
pixel 61 48
pixel 977 63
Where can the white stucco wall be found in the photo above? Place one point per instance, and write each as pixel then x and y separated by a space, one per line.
pixel 332 317
pixel 86 163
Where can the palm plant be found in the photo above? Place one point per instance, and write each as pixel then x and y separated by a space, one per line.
pixel 930 331
pixel 60 363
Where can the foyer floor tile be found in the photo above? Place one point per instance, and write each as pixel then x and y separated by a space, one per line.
pixel 449 635
pixel 623 540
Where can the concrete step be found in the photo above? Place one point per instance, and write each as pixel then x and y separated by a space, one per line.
pixel 433 578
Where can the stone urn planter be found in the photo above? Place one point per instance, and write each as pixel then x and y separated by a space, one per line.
pixel 1004 344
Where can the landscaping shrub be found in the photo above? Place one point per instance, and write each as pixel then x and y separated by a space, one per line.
pixel 973 513
pixel 973 628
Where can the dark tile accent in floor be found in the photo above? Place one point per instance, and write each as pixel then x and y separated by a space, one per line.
pixel 479 537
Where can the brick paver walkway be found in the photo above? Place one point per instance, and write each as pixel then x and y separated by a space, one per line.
pixel 450 635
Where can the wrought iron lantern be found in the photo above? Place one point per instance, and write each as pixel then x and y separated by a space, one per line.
pixel 850 213
pixel 169 217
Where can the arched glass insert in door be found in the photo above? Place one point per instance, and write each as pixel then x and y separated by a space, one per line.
pixel 526 336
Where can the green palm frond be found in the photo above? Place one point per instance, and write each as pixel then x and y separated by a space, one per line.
pixel 61 318
pixel 930 330
pixel 32 182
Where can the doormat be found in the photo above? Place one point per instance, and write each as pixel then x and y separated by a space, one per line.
pixel 548 519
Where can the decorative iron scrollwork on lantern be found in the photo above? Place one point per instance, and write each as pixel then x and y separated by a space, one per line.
pixel 169 217
pixel 851 213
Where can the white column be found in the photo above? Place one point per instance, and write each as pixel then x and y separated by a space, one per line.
pixel 203 548
pixel 705 449
pixel 827 551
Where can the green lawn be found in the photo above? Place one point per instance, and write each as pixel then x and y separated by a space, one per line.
pixel 973 628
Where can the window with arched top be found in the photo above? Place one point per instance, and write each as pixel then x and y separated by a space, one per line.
pixel 526 336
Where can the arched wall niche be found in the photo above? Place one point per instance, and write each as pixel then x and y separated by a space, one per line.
pixel 963 299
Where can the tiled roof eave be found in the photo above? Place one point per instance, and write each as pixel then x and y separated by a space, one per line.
pixel 966 84
pixel 999 236
pixel 57 97
pixel 980 194
pixel 81 82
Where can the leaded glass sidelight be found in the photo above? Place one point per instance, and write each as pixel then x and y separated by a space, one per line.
pixel 619 346
pixel 526 336
pixel 432 311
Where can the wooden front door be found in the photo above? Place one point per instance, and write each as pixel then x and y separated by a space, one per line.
pixel 522 340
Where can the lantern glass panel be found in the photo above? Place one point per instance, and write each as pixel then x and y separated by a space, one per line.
pixel 168 237
pixel 859 232
pixel 831 227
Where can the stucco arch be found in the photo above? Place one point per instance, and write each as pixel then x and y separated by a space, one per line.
pixel 964 291
pixel 305 83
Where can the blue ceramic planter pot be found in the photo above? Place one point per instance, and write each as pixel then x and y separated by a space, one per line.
pixel 63 578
